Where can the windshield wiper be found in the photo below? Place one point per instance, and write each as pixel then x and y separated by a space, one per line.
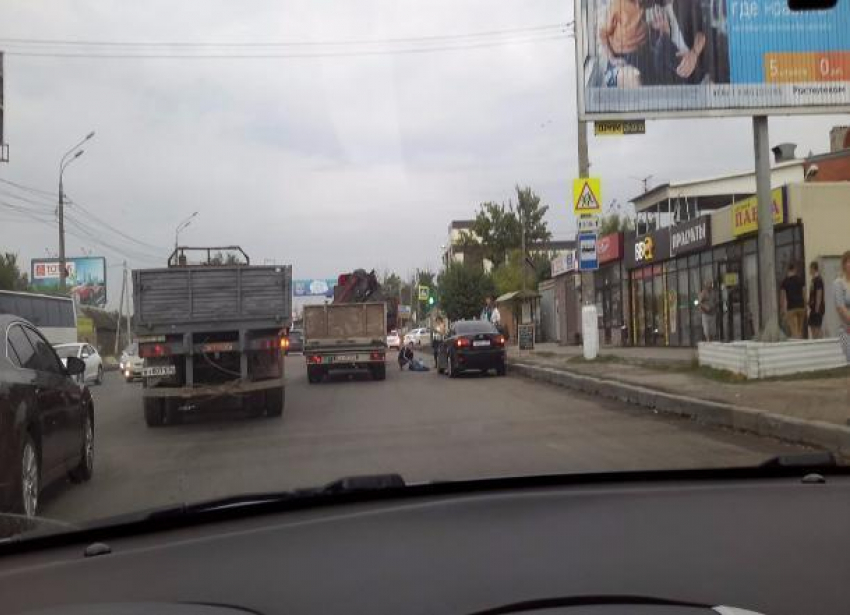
pixel 348 486
pixel 805 461
pixel 565 602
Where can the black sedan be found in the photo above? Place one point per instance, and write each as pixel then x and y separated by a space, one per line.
pixel 471 345
pixel 46 417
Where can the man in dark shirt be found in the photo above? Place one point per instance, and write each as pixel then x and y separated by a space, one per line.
pixel 817 306
pixel 792 304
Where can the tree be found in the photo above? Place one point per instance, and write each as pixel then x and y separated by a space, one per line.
pixel 463 290
pixel 11 277
pixel 507 277
pixel 614 223
pixel 391 284
pixel 499 227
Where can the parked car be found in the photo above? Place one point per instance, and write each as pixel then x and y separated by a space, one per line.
pixel 393 339
pixel 130 363
pixel 419 337
pixel 471 345
pixel 296 341
pixel 46 417
pixel 88 354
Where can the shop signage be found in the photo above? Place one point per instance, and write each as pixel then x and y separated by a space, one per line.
pixel 745 214
pixel 651 248
pixel 587 196
pixel 525 336
pixel 564 263
pixel 588 260
pixel 609 248
pixel 690 236
pixel 604 128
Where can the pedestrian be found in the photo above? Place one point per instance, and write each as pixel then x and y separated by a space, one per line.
pixel 792 304
pixel 437 335
pixel 405 355
pixel 488 308
pixel 817 305
pixel 842 303
pixel 707 310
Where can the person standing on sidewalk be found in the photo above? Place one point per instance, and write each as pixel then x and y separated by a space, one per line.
pixel 707 310
pixel 817 305
pixel 841 287
pixel 792 305
pixel 437 336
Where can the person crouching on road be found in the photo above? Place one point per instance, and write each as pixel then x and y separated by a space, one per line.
pixel 405 355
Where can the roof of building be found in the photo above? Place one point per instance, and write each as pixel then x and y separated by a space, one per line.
pixel 715 192
pixel 517 294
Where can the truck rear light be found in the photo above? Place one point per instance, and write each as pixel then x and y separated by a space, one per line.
pixel 154 350
pixel 314 359
pixel 284 343
pixel 463 342
pixel 377 356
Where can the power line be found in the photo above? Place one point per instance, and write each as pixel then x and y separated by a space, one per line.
pixel 41 204
pixel 270 56
pixel 350 42
pixel 28 188
pixel 94 218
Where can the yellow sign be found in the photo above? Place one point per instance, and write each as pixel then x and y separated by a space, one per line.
pixel 587 196
pixel 423 293
pixel 745 214
pixel 607 128
pixel 730 279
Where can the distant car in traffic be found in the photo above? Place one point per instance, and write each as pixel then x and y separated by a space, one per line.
pixel 419 337
pixel 46 417
pixel 296 341
pixel 393 339
pixel 130 363
pixel 88 354
pixel 471 345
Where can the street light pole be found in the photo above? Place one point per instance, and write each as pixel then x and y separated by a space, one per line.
pixel 74 153
pixel 181 226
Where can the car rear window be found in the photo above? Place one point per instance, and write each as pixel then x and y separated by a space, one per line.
pixel 474 326
pixel 66 351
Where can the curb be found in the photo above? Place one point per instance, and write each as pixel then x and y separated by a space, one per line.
pixel 834 438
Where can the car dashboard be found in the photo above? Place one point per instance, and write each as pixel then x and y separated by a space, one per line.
pixel 770 545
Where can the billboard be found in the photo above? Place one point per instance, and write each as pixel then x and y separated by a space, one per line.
pixel 85 277
pixel 662 58
pixel 319 287
pixel 2 142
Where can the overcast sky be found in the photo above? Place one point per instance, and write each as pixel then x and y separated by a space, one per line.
pixel 328 163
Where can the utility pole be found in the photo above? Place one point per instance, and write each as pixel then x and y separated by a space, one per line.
pixel 67 159
pixel 129 313
pixel 522 246
pixel 767 254
pixel 120 308
pixel 587 281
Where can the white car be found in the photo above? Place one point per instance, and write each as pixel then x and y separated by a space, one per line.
pixel 88 354
pixel 393 339
pixel 419 337
pixel 130 363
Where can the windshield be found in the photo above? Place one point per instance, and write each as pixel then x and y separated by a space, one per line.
pixel 67 351
pixel 201 193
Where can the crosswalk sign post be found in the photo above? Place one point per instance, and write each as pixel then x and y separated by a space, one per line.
pixel 587 196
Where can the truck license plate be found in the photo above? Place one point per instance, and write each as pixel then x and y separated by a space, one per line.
pixel 218 347
pixel 162 370
pixel 345 358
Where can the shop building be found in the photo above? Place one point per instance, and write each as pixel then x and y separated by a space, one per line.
pixel 611 287
pixel 717 250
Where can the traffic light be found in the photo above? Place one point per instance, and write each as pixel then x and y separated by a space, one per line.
pixel 431 300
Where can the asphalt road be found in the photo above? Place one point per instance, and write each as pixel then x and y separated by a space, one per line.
pixel 424 426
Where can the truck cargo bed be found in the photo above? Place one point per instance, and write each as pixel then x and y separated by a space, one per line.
pixel 211 298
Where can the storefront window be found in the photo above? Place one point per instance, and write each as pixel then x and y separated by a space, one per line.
pixel 672 307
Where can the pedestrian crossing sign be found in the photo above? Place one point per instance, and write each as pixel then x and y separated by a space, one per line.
pixel 587 196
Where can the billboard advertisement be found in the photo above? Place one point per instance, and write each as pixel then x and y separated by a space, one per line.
pixel 662 58
pixel 85 277
pixel 318 287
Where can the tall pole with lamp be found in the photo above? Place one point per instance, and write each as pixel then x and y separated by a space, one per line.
pixel 182 226
pixel 70 156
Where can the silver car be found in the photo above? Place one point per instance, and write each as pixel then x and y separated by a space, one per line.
pixel 86 353
pixel 131 363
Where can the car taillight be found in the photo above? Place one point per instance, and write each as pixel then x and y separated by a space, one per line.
pixel 499 340
pixel 154 350
pixel 463 342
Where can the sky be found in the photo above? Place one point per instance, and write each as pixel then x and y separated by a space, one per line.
pixel 338 156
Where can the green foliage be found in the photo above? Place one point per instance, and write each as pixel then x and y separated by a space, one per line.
pixel 391 284
pixel 463 290
pixel 507 277
pixel 11 276
pixel 614 223
pixel 499 226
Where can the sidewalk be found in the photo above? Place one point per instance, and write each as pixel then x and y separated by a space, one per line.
pixel 818 404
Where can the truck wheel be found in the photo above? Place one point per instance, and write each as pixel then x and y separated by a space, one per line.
pixel 314 374
pixel 154 411
pixel 172 411
pixel 379 372
pixel 275 400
